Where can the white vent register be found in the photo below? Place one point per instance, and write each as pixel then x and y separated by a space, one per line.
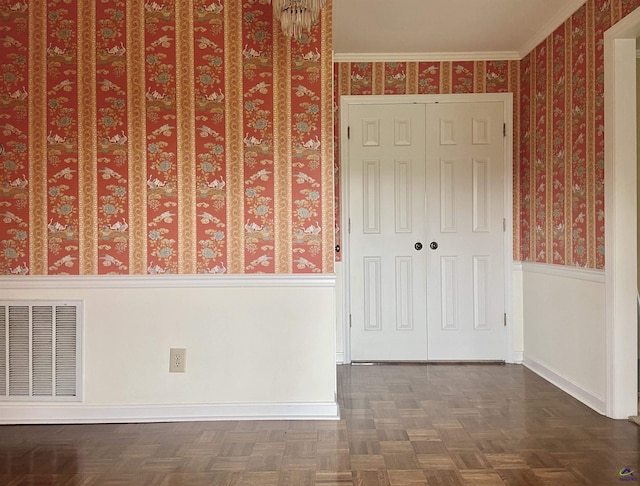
pixel 40 350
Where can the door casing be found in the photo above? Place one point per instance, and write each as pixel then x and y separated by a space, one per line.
pixel 507 100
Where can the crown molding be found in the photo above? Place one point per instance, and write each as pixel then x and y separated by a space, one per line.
pixel 425 56
pixel 567 10
pixel 569 7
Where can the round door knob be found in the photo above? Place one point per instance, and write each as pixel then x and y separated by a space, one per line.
pixel 418 246
pixel 433 245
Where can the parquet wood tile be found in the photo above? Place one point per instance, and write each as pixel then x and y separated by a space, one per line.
pixel 476 425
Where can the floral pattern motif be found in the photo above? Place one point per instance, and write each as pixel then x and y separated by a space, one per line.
pixel 571 88
pixel 395 78
pixel 210 117
pixel 603 21
pixel 558 120
pixel 361 78
pixel 497 77
pixel 429 78
pixel 161 124
pixel 579 143
pixel 152 212
pixel 257 67
pixel 306 148
pixel 539 195
pixel 112 138
pixel 462 74
pixel 526 158
pixel 565 151
pixel 62 139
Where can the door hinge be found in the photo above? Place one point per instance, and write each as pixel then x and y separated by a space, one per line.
pixel 504 225
pixel 348 133
pixel 349 320
pixel 349 226
pixel 504 129
pixel 505 319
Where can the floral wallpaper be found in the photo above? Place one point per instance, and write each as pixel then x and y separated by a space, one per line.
pixel 163 137
pixel 190 136
pixel 561 155
pixel 558 128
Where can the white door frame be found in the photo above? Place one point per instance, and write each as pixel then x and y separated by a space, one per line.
pixel 620 217
pixel 507 99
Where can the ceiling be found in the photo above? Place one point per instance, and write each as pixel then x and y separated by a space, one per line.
pixel 444 29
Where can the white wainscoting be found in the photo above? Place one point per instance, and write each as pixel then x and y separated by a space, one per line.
pixel 564 329
pixel 257 347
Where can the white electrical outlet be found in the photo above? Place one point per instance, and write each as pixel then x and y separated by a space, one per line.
pixel 177 360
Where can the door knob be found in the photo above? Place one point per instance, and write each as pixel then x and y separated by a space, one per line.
pixel 418 246
pixel 433 245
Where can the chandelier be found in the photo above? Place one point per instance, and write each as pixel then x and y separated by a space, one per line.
pixel 296 16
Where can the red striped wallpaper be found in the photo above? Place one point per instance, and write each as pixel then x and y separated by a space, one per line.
pixel 173 137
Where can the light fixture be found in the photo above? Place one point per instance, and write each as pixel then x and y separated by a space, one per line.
pixel 296 16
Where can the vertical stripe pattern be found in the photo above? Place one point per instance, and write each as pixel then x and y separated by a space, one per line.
pixel 38 260
pixel 137 173
pixel 185 156
pixel 87 152
pixel 235 149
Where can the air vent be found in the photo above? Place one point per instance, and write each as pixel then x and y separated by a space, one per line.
pixel 40 350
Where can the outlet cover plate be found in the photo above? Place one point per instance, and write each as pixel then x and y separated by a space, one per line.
pixel 177 360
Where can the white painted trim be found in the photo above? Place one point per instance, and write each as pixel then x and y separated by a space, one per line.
pixel 165 281
pixel 507 237
pixel 344 218
pixel 569 7
pixel 340 358
pixel 621 216
pixel 590 399
pixel 518 357
pixel 507 99
pixel 426 56
pixel 576 273
pixel 85 414
pixel 517 266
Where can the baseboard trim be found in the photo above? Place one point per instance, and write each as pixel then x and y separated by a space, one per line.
pixel 339 358
pixel 590 399
pixel 30 413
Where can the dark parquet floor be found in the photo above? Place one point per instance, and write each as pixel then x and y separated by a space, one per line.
pixel 401 425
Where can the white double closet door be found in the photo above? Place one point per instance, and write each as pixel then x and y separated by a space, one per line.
pixel 426 231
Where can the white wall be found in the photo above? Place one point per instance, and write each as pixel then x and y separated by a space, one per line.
pixel 256 347
pixel 565 329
